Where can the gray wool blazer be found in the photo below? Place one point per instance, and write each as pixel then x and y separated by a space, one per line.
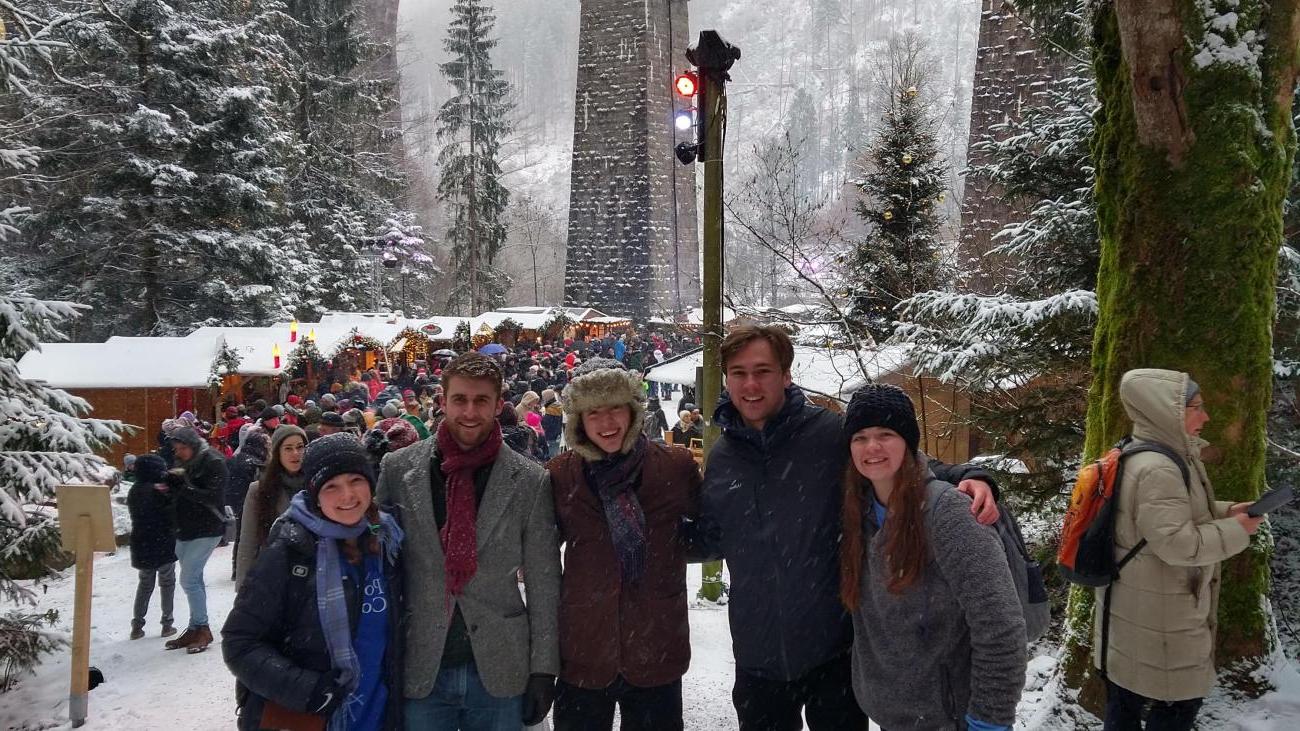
pixel 516 529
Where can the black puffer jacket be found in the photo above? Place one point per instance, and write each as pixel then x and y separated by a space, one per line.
pixel 771 505
pixel 272 640
pixel 243 471
pixel 199 496
pixel 153 534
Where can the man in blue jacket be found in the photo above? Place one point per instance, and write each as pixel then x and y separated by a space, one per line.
pixel 771 506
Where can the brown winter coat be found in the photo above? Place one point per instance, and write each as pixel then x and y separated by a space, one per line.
pixel 1164 605
pixel 638 631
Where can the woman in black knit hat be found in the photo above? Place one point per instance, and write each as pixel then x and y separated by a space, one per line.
pixel 312 637
pixel 938 632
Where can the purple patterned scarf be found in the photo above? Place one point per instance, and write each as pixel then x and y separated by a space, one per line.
pixel 614 480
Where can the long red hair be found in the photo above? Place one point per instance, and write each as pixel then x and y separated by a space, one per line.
pixel 906 548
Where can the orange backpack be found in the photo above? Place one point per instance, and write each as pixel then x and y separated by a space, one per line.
pixel 1087 553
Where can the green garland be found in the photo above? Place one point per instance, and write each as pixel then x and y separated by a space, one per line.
pixel 557 323
pixel 356 340
pixel 461 340
pixel 226 363
pixel 305 352
pixel 508 325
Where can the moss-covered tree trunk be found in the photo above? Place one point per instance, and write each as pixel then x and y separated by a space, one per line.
pixel 1193 150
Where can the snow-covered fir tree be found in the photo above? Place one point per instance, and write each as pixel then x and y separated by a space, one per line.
pixel 1024 354
pixel 165 167
pixel 901 193
pixel 45 440
pixel 472 125
pixel 346 180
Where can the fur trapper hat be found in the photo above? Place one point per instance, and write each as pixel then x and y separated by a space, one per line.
pixel 598 383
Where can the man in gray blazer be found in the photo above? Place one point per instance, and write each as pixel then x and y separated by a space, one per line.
pixel 475 656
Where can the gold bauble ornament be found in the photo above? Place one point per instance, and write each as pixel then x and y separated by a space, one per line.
pixel 911 91
pixel 940 198
pixel 907 158
pixel 888 215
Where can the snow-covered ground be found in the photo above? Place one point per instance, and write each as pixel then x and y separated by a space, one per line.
pixel 147 688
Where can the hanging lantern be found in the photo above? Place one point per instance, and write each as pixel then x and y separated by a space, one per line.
pixel 907 158
pixel 293 330
pixel 911 92
pixel 888 215
pixel 275 356
pixel 311 334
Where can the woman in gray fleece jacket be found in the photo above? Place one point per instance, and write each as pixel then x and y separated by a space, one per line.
pixel 938 633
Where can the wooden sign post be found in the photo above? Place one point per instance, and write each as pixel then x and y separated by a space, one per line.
pixel 86 522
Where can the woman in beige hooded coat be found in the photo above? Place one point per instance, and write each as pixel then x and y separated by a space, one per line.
pixel 1164 605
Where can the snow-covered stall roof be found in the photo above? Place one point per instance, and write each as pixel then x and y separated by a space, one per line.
pixel 831 372
pixel 438 328
pixel 531 318
pixel 694 318
pixel 122 362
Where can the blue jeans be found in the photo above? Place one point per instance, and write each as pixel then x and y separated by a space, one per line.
pixel 459 702
pixel 193 556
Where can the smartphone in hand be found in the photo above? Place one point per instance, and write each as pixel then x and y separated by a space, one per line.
pixel 1270 501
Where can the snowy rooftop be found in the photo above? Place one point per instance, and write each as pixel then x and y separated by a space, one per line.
pixel 122 363
pixel 185 362
pixel 831 372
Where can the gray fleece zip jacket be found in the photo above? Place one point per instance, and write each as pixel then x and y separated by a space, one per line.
pixel 953 643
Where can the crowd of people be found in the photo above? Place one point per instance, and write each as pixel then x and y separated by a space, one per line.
pixel 396 567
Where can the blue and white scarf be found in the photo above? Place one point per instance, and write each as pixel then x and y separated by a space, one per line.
pixel 330 600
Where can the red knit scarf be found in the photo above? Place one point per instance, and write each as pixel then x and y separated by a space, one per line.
pixel 459 534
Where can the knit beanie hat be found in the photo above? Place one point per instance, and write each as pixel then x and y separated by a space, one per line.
pixel 1193 388
pixel 311 415
pixel 256 445
pixel 392 409
pixel 333 455
pixel 150 469
pixel 878 404
pixel 401 433
pixel 328 401
pixel 283 432
pixel 598 383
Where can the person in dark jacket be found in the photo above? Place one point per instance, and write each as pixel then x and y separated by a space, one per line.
pixel 552 421
pixel 241 472
pixel 619 503
pixel 153 542
pixel 770 505
pixel 656 422
pixel 197 485
pixel 938 632
pixel 315 629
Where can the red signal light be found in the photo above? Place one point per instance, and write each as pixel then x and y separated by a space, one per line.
pixel 686 84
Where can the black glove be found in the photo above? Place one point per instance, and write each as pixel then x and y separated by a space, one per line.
pixel 175 478
pixel 538 697
pixel 327 695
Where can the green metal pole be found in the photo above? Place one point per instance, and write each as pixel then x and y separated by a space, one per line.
pixel 714 103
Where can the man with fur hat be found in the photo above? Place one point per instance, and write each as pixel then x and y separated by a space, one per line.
pixel 619 501
pixel 197 485
pixel 474 514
